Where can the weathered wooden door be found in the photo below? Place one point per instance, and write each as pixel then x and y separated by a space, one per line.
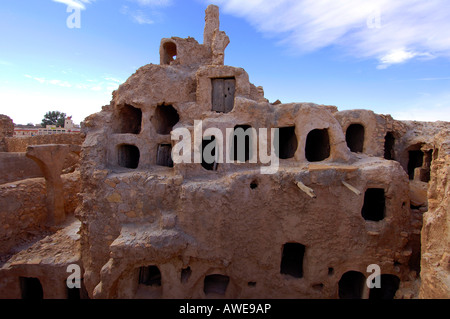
pixel 223 94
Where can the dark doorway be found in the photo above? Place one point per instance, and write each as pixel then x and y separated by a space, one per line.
pixel 351 285
pixel 292 260
pixel 388 287
pixel 31 288
pixel 164 156
pixel 374 204
pixel 165 118
pixel 389 142
pixel 317 145
pixel 209 149
pixel 287 142
pixel 150 276
pixel 415 160
pixel 354 137
pixel 216 284
pixel 242 143
pixel 128 120
pixel 128 156
pixel 223 90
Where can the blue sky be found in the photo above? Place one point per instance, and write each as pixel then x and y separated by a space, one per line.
pixel 392 57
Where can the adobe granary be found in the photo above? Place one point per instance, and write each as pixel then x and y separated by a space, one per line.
pixel 348 191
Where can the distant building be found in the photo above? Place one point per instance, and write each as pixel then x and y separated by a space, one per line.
pixel 31 130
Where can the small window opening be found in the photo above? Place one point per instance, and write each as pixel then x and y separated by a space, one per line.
pixel 330 271
pixel 165 118
pixel 223 90
pixel 251 284
pixel 354 137
pixel 351 285
pixel 374 204
pixel 185 274
pixel 209 153
pixel 287 142
pixel 253 184
pixel 216 284
pixel 388 287
pixel 170 52
pixel 164 155
pixel 292 260
pixel 128 156
pixel 31 288
pixel 317 145
pixel 128 120
pixel 242 143
pixel 150 276
pixel 389 142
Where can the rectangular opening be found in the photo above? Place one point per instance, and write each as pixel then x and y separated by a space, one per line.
pixel 31 288
pixel 374 204
pixel 128 156
pixel 128 120
pixel 216 284
pixel 223 90
pixel 242 143
pixel 209 151
pixel 292 260
pixel 164 155
pixel 415 160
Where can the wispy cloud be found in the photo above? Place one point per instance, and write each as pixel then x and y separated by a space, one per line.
pixel 145 11
pixel 106 83
pixel 80 4
pixel 392 32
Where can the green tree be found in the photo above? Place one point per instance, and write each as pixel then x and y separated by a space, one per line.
pixel 54 118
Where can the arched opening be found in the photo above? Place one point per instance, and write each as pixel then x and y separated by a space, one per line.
pixel 150 276
pixel 128 120
pixel 292 260
pixel 31 288
pixel 389 142
pixel 128 156
pixel 165 118
pixel 354 137
pixel 317 145
pixel 241 149
pixel 351 285
pixel 287 142
pixel 169 52
pixel 216 284
pixel 388 287
pixel 374 204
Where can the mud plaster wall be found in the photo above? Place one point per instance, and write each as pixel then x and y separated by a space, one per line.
pixel 23 208
pixel 435 262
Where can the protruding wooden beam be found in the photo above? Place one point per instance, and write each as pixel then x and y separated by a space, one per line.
pixel 352 188
pixel 306 189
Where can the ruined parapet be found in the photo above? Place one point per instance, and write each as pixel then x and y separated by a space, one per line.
pixel 188 52
pixel 435 259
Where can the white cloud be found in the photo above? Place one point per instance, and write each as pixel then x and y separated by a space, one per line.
pixel 390 31
pixel 426 107
pixel 141 18
pixel 80 4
